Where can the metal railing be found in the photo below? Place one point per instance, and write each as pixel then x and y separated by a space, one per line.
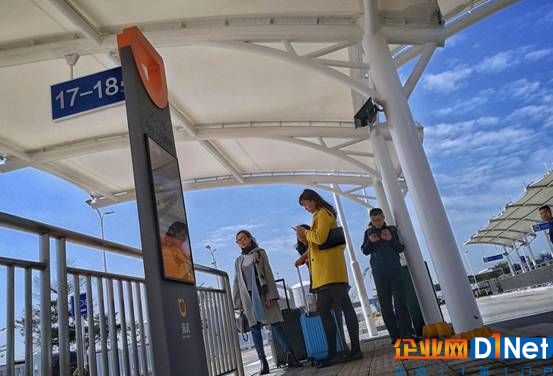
pixel 110 336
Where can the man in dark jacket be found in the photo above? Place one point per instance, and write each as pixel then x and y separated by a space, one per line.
pixel 383 244
pixel 545 214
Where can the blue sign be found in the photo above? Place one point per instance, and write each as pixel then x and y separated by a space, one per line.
pixel 540 226
pixel 492 258
pixel 82 302
pixel 87 93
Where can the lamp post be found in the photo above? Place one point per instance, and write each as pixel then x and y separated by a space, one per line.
pixel 91 201
pixel 212 251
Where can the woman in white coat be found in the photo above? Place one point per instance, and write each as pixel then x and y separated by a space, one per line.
pixel 256 295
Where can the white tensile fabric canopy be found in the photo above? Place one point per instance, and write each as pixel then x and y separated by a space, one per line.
pixel 514 224
pixel 261 92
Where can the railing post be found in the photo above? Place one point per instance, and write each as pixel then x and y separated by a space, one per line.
pixel 28 321
pixel 10 325
pixel 45 308
pixel 219 315
pixel 132 321
pixel 77 322
pixel 221 302
pixel 113 330
pixel 212 332
pixel 103 332
pixel 149 333
pixel 123 321
pixel 63 319
pixel 144 359
pixel 91 330
pixel 203 315
pixel 230 312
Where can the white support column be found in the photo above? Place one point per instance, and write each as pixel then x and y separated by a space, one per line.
pixel 356 270
pixel 423 285
pixel 525 257
pixel 443 248
pixel 519 259
pixel 511 266
pixel 382 201
pixel 419 274
pixel 530 252
pixel 548 241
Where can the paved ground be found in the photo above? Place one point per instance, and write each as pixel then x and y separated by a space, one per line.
pixel 506 306
pixel 379 360
pixel 514 314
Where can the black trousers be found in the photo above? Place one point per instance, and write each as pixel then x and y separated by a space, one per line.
pixel 391 295
pixel 337 295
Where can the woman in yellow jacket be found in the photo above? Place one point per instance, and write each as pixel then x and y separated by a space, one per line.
pixel 329 276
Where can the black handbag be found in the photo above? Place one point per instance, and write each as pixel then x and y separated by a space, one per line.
pixel 242 323
pixel 335 238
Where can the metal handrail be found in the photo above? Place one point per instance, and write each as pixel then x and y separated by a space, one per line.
pixel 40 228
pixel 6 261
pixel 216 308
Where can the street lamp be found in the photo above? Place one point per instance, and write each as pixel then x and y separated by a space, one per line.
pixel 212 251
pixel 91 201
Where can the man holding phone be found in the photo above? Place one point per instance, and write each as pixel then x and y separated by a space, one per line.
pixel 383 244
pixel 545 214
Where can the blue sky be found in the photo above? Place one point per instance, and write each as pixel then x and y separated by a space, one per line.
pixel 485 100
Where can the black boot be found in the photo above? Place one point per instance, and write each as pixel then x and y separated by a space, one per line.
pixel 355 354
pixel 264 366
pixel 292 361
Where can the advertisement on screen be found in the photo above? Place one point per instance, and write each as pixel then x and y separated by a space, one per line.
pixel 174 238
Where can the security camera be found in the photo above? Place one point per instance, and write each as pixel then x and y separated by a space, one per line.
pixel 367 115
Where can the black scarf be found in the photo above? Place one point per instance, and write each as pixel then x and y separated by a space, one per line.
pixel 247 250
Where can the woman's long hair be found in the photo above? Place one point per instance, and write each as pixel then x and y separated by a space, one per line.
pixel 311 195
pixel 178 230
pixel 249 235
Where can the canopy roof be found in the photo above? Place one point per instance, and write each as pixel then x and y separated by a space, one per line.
pixel 514 224
pixel 260 91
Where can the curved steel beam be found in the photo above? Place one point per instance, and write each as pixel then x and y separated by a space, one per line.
pixel 306 62
pixel 119 141
pixel 336 153
pixel 316 179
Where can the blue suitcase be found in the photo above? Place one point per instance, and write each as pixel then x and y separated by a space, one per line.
pixel 314 334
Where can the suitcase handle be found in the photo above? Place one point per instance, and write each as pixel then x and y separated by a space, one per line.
pixel 303 290
pixel 285 290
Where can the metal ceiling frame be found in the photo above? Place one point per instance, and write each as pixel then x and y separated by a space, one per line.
pixel 288 132
pixel 242 33
pixel 339 29
pixel 317 179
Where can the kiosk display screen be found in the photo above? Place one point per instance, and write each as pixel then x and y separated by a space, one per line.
pixel 176 252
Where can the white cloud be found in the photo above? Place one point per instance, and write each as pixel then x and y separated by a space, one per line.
pixel 538 54
pixel 531 113
pixel 462 106
pixel 447 81
pixel 497 63
pixel 225 236
pixel 448 130
pixel 487 120
pixel 473 136
pixel 521 88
